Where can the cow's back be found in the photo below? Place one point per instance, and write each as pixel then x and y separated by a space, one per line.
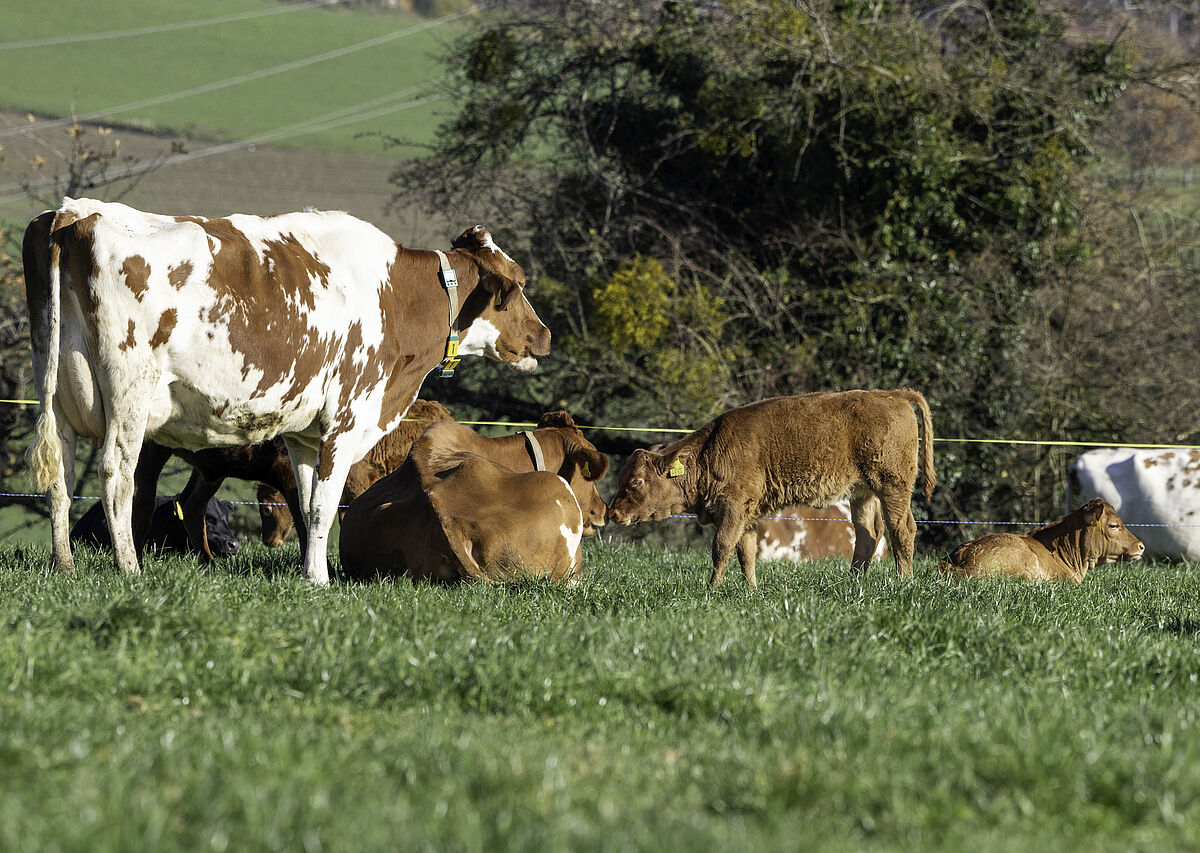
pixel 1155 491
pixel 812 448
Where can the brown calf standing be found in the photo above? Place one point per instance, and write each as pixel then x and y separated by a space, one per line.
pixel 811 450
pixel 275 497
pixel 1063 551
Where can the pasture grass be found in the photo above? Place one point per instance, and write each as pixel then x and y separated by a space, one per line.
pixel 97 75
pixel 238 707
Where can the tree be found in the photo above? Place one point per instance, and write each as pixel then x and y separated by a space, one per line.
pixel 838 194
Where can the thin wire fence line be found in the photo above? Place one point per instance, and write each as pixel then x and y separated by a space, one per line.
pixel 763 518
pixel 54 41
pixel 1016 441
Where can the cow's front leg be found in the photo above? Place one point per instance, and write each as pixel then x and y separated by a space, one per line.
pixel 747 552
pixel 329 478
pixel 151 460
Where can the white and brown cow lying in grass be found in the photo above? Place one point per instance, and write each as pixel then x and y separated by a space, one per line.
pixel 811 450
pixel 467 507
pixel 1063 551
pixel 798 533
pixel 196 333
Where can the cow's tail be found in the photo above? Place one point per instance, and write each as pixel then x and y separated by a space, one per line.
pixel 926 459
pixel 45 454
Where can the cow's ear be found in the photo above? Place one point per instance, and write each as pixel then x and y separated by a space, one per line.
pixel 1092 510
pixel 556 419
pixel 592 463
pixel 499 273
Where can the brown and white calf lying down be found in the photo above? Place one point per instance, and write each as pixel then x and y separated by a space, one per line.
pixel 467 507
pixel 1063 551
pixel 810 450
pixel 800 533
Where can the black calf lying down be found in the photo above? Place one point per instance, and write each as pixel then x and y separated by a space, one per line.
pixel 167 531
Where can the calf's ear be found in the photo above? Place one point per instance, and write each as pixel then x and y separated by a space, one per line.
pixel 676 464
pixel 1092 510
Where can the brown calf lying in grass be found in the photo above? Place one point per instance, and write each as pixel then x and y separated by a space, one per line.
pixel 1063 551
pixel 810 450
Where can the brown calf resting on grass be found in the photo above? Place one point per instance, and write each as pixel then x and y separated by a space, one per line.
pixel 467 507
pixel 810 450
pixel 1063 551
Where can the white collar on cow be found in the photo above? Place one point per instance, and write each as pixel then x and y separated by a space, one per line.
pixel 449 281
pixel 535 450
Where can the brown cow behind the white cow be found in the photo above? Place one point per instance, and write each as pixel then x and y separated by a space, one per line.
pixel 467 507
pixel 275 498
pixel 813 449
pixel 800 533
pixel 1063 551
pixel 198 333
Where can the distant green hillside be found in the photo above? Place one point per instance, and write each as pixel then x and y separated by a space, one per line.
pixel 227 69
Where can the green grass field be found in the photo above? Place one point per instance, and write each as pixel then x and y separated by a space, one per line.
pixel 277 58
pixel 241 708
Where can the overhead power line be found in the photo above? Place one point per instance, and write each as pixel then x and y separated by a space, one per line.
pixel 54 41
pixel 363 111
pixel 241 78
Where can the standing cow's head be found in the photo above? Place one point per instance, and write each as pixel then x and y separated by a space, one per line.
pixel 500 322
pixel 654 484
pixel 1105 535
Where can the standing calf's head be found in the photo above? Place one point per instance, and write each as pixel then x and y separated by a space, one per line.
pixel 652 486
pixel 1106 535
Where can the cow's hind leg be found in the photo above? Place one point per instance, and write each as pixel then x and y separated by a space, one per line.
pixel 118 461
pixel 731 527
pixel 867 518
pixel 901 527
pixel 61 491
pixel 747 552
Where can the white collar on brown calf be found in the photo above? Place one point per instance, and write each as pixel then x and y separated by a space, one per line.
pixel 535 450
pixel 449 281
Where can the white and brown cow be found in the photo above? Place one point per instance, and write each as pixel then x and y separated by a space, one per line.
pixel 812 450
pixel 1064 551
pixel 467 507
pixel 1157 491
pixel 800 533
pixel 198 332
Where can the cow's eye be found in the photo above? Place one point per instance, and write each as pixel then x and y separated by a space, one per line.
pixel 637 484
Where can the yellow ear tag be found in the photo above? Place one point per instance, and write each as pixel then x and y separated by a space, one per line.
pixel 178 511
pixel 1099 526
pixel 499 298
pixel 676 469
pixel 587 472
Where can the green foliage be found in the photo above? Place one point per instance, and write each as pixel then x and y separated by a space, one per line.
pixel 240 707
pixel 629 311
